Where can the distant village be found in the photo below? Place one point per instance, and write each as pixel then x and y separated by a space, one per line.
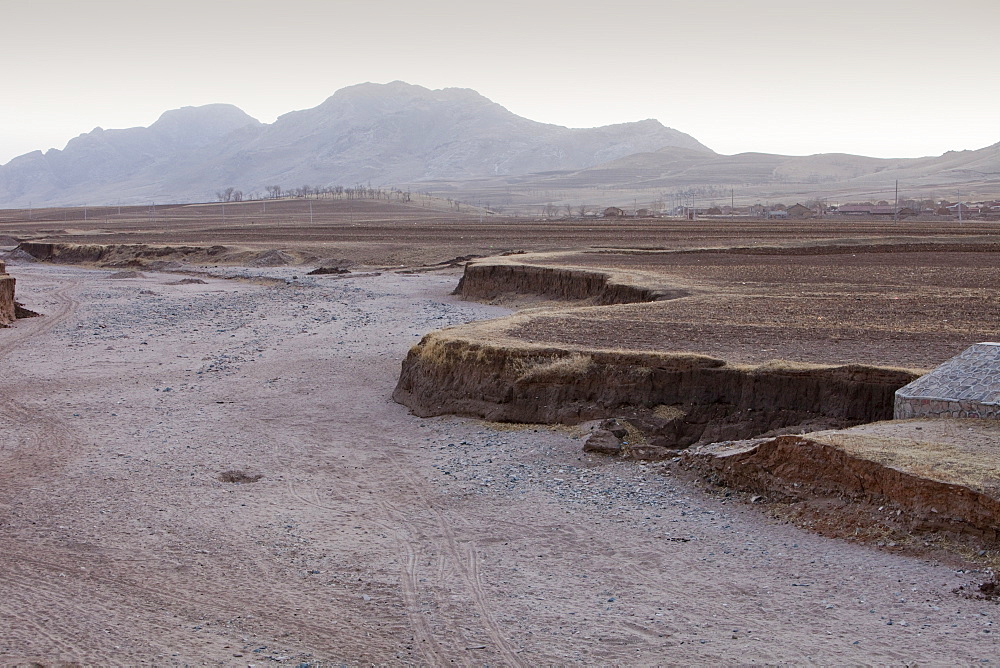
pixel 928 209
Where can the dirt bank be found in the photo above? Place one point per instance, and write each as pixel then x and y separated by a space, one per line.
pixel 144 255
pixel 8 310
pixel 517 277
pixel 675 400
pixel 902 479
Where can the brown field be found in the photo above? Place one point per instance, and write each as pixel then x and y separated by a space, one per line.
pixel 886 304
pixel 214 473
pixel 431 230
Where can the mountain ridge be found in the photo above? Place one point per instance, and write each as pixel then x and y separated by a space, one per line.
pixel 452 142
pixel 386 134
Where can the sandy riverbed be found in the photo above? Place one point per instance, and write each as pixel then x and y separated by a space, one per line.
pixel 372 536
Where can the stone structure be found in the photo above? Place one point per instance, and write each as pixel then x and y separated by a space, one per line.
pixel 8 312
pixel 966 386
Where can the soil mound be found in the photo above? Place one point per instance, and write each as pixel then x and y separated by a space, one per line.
pixel 272 258
pixel 18 256
pixel 127 274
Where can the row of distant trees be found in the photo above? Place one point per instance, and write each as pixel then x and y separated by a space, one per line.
pixel 317 192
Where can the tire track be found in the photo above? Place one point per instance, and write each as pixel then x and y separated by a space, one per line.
pixel 394 523
pixel 66 304
pixel 148 598
pixel 43 443
pixel 465 558
pixel 315 502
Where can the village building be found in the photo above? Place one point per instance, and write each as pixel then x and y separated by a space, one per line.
pixel 799 211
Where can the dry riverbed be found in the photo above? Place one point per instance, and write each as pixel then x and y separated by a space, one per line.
pixel 214 474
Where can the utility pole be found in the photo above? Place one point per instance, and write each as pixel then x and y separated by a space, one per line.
pixel 310 212
pixel 895 213
pixel 960 206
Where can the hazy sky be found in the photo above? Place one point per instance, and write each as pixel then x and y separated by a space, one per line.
pixel 887 78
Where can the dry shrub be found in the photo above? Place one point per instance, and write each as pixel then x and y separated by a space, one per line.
pixel 665 412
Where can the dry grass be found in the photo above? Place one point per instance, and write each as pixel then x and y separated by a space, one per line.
pixel 563 369
pixel 571 430
pixel 962 452
pixel 668 412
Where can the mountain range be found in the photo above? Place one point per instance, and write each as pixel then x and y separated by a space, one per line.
pixel 451 142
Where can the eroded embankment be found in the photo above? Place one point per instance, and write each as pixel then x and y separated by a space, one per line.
pixel 853 483
pixel 505 277
pixel 117 255
pixel 8 308
pixel 675 400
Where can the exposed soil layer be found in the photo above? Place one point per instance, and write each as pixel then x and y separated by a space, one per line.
pixel 8 308
pixel 863 311
pixel 143 255
pixel 674 400
pixel 509 277
pixel 925 477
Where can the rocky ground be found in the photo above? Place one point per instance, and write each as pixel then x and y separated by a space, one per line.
pixel 214 474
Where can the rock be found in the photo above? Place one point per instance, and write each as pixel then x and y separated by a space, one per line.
pixel 604 442
pixel 615 427
pixel 328 270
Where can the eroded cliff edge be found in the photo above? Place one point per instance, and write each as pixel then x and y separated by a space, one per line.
pixel 675 400
pixel 894 479
pixel 8 308
pixel 514 277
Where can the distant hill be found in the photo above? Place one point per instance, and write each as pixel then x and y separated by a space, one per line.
pixel 83 171
pixel 455 143
pixel 383 134
pixel 696 177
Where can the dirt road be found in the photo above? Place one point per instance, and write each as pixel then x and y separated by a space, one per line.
pixel 372 536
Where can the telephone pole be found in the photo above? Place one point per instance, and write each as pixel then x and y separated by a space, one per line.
pixel 895 212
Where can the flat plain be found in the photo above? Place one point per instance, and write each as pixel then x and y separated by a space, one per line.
pixel 214 473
